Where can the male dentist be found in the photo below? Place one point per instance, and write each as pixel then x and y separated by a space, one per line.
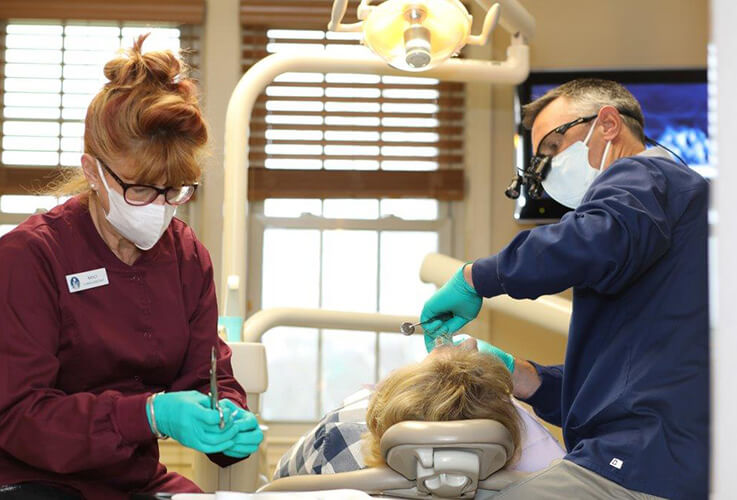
pixel 633 394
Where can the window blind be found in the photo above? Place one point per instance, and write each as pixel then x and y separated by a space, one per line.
pixel 169 11
pixel 313 14
pixel 49 72
pixel 397 136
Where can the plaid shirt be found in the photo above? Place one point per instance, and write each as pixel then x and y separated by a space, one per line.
pixel 333 445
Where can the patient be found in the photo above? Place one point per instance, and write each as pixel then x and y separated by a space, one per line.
pixel 452 383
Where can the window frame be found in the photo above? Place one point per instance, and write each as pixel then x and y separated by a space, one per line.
pixel 259 223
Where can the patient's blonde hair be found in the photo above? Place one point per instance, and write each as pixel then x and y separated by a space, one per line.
pixel 453 384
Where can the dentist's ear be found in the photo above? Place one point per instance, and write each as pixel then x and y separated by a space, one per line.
pixel 611 122
pixel 89 168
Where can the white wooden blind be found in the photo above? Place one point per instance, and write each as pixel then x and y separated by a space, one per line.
pixel 49 72
pixel 333 121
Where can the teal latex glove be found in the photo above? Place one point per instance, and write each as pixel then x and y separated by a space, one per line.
pixel 456 297
pixel 186 416
pixel 487 348
pixel 249 433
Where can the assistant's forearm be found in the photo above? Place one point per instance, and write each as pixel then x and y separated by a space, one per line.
pixel 525 379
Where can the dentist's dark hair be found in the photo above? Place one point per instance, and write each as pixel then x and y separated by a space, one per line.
pixel 588 96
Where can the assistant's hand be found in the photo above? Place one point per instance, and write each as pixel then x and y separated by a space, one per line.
pixel 487 348
pixel 249 433
pixel 456 297
pixel 186 416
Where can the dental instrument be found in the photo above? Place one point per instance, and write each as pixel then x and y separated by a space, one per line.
pixel 214 397
pixel 408 328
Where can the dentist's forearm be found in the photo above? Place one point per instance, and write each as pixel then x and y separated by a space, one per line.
pixel 468 276
pixel 525 379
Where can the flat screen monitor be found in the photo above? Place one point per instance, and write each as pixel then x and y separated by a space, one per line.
pixel 675 106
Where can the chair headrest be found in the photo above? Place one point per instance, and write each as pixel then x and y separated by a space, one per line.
pixel 488 439
pixel 249 366
pixel 426 460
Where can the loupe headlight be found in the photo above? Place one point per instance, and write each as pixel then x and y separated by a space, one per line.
pixel 532 177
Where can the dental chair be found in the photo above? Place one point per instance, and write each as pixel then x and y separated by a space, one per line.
pixel 456 459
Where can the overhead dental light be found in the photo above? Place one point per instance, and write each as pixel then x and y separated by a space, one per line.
pixel 415 35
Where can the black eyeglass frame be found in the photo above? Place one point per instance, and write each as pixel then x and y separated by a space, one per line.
pixel 158 190
pixel 562 129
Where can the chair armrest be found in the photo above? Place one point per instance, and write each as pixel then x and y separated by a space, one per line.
pixel 371 480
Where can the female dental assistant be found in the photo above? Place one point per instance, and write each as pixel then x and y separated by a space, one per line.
pixel 108 311
pixel 633 395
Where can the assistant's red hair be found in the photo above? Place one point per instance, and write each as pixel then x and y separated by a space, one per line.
pixel 147 114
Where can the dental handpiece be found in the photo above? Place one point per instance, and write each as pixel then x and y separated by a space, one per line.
pixel 408 328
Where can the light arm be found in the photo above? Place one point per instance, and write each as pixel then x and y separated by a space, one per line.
pixel 490 22
pixel 337 15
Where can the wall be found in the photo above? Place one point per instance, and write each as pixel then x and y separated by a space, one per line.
pixel 221 70
pixel 723 268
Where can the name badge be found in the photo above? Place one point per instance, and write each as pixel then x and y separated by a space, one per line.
pixel 86 280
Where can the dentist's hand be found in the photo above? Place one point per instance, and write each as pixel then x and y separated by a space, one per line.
pixel 249 433
pixel 486 348
pixel 456 297
pixel 186 416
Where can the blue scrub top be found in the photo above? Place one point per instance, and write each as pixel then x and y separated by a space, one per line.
pixel 633 395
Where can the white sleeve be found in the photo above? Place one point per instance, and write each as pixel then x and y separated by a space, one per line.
pixel 538 446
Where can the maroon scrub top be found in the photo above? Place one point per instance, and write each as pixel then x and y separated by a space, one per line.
pixel 76 368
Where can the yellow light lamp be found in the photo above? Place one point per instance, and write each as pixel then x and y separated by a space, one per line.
pixel 415 35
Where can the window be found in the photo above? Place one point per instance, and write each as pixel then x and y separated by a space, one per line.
pixel 338 246
pixel 51 71
pixel 352 255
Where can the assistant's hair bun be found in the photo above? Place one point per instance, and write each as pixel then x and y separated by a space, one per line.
pixel 148 113
pixel 172 116
pixel 133 68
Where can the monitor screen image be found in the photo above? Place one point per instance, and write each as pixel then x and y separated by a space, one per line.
pixel 675 106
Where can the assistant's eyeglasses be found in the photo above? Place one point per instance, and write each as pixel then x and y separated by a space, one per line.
pixel 143 194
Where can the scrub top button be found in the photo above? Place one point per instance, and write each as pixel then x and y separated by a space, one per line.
pixel 147 335
pixel 137 378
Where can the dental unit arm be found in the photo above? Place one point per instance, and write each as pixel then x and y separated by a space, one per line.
pixel 512 71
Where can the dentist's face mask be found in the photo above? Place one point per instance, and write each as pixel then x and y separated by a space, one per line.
pixel 570 174
pixel 141 225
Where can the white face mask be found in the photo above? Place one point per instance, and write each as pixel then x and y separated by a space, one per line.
pixel 142 226
pixel 571 174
